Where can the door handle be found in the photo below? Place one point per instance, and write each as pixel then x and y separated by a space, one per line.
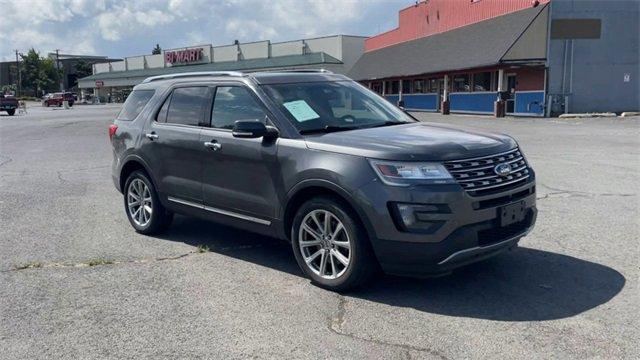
pixel 151 136
pixel 213 145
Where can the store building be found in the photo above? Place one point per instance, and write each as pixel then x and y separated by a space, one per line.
pixel 67 63
pixel 522 57
pixel 114 80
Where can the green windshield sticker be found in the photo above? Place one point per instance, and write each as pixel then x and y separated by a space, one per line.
pixel 301 110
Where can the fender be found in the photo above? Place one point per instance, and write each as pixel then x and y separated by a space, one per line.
pixel 326 184
pixel 136 158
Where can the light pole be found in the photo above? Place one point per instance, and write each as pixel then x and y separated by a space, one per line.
pixel 58 69
pixel 19 85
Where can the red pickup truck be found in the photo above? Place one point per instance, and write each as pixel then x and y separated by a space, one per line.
pixel 8 104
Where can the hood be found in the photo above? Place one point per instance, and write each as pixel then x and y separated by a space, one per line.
pixel 413 142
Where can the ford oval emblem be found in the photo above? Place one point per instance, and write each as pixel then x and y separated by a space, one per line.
pixel 503 169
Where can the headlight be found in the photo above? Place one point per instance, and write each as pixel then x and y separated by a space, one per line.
pixel 407 173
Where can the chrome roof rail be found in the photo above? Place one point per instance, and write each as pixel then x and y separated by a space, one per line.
pixel 192 74
pixel 299 71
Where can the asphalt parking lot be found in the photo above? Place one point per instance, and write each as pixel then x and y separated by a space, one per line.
pixel 77 282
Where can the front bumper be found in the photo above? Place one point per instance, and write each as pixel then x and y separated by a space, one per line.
pixel 467 230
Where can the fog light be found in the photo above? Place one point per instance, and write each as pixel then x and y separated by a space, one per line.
pixel 419 218
pixel 409 212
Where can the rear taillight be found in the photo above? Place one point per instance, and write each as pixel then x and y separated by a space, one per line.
pixel 112 130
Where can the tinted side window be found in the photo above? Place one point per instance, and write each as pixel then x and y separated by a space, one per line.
pixel 233 103
pixel 134 104
pixel 188 106
pixel 162 114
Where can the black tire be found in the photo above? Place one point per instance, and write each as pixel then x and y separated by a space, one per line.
pixel 160 218
pixel 11 112
pixel 362 266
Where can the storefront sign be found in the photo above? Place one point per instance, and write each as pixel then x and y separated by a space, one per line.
pixel 183 56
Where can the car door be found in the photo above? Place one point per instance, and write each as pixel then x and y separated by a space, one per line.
pixel 238 173
pixel 172 143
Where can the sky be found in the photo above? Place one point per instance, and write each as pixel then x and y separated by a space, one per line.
pixel 120 28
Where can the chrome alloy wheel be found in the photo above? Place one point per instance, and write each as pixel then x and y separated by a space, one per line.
pixel 139 202
pixel 324 244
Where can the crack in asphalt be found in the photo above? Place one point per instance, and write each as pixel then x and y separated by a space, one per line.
pixel 94 263
pixel 106 261
pixel 336 322
pixel 63 180
pixel 5 160
pixel 563 193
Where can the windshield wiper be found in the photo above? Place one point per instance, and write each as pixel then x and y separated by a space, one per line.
pixel 328 129
pixel 388 123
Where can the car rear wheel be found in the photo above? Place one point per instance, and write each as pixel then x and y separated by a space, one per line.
pixel 144 210
pixel 11 112
pixel 330 245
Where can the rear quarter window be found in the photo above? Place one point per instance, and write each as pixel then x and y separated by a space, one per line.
pixel 134 104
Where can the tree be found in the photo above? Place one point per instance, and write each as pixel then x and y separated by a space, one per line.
pixel 83 68
pixel 38 73
pixel 30 67
pixel 156 50
pixel 8 89
pixel 48 76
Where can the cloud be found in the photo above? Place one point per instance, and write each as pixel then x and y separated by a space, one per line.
pixel 125 20
pixel 249 29
pixel 123 28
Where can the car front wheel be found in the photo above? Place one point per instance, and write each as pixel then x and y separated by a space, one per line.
pixel 331 246
pixel 144 210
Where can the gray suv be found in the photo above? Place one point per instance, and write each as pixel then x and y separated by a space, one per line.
pixel 353 182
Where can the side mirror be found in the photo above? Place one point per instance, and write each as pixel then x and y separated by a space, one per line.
pixel 253 129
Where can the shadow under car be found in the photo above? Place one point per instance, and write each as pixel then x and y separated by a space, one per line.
pixel 521 285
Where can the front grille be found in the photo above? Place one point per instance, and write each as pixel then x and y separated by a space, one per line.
pixel 477 175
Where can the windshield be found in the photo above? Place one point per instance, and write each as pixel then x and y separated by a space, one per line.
pixel 333 106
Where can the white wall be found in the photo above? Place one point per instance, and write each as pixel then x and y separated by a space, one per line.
pixel 330 45
pixel 155 61
pixel 225 53
pixel 255 50
pixel 287 48
pixel 118 66
pixel 101 68
pixel 352 50
pixel 135 63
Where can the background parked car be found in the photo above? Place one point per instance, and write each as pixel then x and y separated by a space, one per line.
pixel 56 99
pixel 8 104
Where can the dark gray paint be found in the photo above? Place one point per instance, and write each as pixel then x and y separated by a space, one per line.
pixel 257 178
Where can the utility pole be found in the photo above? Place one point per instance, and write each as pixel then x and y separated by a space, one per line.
pixel 58 68
pixel 19 82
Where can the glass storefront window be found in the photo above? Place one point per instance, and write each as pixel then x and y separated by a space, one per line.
pixel 482 81
pixel 418 86
pixel 392 87
pixel 406 86
pixel 377 87
pixel 434 85
pixel 461 83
